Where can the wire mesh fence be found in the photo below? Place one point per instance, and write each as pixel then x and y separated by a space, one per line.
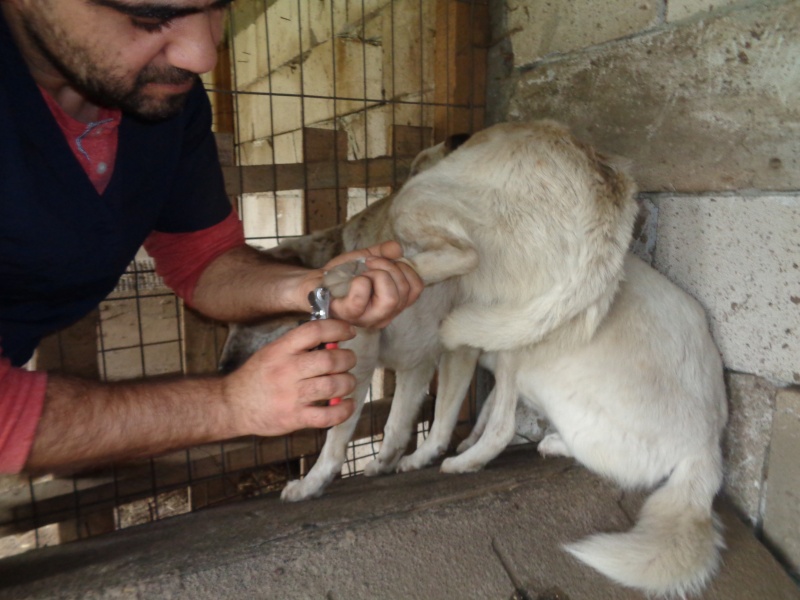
pixel 319 108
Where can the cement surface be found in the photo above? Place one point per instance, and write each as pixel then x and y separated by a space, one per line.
pixel 422 535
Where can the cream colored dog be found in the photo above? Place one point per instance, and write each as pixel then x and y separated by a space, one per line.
pixel 533 226
pixel 522 234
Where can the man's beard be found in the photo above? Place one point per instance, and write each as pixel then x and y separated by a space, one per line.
pixel 137 103
pixel 110 91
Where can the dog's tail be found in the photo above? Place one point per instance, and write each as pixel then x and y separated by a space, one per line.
pixel 673 550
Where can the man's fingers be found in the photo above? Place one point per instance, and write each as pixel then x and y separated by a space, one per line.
pixel 390 249
pixel 321 417
pixel 378 295
pixel 388 296
pixel 310 335
pixel 407 282
pixel 402 286
pixel 324 387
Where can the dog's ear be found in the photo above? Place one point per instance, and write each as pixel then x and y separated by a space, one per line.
pixel 613 171
pixel 455 140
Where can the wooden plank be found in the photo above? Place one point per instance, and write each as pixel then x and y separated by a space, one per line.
pixel 225 149
pixel 59 500
pixel 462 41
pixel 408 140
pixel 222 102
pixel 321 175
pixel 325 207
pixel 72 351
pixel 83 526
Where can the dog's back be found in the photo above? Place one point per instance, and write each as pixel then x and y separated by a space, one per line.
pixel 549 218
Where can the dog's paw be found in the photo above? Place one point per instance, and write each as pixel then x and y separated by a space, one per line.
pixel 378 467
pixel 338 279
pixel 407 464
pixel 458 464
pixel 412 462
pixel 300 489
pixel 553 445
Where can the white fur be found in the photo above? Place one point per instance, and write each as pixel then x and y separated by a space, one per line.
pixel 534 227
pixel 642 403
pixel 530 204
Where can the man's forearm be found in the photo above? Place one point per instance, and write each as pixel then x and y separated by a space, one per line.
pixel 244 284
pixel 86 423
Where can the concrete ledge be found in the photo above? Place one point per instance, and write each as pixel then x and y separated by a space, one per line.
pixel 419 535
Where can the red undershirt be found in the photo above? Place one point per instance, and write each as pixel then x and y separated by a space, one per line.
pixel 180 259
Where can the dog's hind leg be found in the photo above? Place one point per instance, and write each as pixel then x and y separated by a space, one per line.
pixel 412 387
pixel 480 424
pixel 455 373
pixel 500 422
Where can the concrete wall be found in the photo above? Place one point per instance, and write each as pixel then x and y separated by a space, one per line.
pixel 705 100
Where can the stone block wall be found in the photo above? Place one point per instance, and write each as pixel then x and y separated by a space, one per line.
pixel 705 100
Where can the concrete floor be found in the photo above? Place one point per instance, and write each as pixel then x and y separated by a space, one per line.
pixel 494 535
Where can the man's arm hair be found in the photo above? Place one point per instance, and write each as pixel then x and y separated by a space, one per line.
pixel 86 423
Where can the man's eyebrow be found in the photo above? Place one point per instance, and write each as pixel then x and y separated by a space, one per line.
pixel 158 12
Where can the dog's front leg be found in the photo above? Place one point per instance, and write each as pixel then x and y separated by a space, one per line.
pixel 412 387
pixel 449 258
pixel 330 461
pixel 455 373
pixel 436 246
pixel 331 458
pixel 500 421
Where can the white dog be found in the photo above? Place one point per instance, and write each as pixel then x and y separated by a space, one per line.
pixel 628 375
pixel 522 234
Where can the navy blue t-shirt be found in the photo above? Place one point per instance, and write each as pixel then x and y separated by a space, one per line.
pixel 63 246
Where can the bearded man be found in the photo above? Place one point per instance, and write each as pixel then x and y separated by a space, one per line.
pixel 105 146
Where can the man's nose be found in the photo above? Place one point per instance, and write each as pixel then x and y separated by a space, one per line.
pixel 193 41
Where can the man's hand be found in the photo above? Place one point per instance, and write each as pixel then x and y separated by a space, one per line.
pixel 382 292
pixel 281 388
pixel 284 386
